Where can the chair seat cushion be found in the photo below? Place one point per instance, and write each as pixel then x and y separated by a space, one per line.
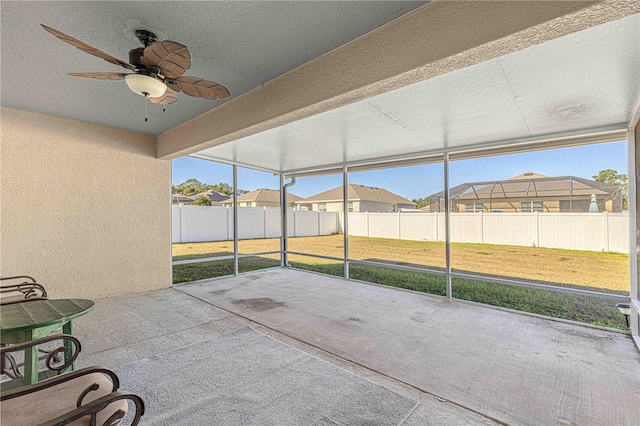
pixel 47 404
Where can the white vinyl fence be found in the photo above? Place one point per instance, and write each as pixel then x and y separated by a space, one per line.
pixel 607 232
pixel 203 223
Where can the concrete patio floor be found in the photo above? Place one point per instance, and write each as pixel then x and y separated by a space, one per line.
pixel 464 364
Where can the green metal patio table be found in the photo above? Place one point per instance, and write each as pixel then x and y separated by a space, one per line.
pixel 30 320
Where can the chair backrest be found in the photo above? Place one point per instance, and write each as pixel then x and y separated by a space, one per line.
pixel 20 288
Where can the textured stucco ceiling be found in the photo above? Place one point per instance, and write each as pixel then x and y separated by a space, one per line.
pixel 241 45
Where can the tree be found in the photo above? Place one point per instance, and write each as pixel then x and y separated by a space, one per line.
pixel 223 188
pixel 612 177
pixel 193 186
pixel 190 187
pixel 202 200
pixel 421 202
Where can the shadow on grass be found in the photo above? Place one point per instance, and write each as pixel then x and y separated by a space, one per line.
pixel 504 277
pixel 219 268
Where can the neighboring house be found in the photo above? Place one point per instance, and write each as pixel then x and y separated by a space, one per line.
pixel 216 197
pixel 360 198
pixel 262 198
pixel 531 192
pixel 180 199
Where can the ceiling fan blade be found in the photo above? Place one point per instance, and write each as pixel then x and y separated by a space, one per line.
pixel 89 49
pixel 169 97
pixel 173 85
pixel 173 59
pixel 199 88
pixel 99 75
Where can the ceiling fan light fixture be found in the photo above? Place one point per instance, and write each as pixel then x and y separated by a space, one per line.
pixel 145 86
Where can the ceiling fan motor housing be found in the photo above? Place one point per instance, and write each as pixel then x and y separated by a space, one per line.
pixel 146 37
pixel 135 55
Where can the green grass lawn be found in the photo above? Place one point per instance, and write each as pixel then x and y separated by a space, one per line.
pixel 605 272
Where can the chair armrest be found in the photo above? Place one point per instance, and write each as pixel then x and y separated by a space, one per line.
pixel 25 278
pixel 28 289
pixel 5 352
pixel 94 407
pixel 15 393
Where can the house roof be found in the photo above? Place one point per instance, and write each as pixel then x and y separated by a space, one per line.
pixel 530 185
pixel 263 195
pixel 358 193
pixel 214 196
pixel 179 198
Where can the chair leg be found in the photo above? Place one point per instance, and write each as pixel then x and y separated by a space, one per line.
pixel 14 372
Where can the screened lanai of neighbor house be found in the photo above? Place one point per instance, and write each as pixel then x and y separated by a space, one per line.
pixel 284 332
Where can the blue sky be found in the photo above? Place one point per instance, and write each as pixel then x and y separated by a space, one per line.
pixel 420 181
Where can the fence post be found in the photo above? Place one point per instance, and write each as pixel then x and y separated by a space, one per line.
pixel 295 224
pixel 367 221
pixel 399 226
pixel 481 227
pixel 437 226
pixel 181 224
pixel 605 215
pixel 264 222
pixel 319 221
pixel 536 237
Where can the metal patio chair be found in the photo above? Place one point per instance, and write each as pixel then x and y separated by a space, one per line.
pixel 89 396
pixel 20 288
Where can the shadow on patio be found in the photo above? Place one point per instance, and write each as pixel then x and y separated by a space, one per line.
pixel 288 347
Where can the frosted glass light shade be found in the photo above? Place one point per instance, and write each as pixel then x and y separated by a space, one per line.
pixel 145 85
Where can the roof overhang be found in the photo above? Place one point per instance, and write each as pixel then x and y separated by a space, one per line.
pixel 509 73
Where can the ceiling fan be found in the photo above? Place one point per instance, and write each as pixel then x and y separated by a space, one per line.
pixel 157 69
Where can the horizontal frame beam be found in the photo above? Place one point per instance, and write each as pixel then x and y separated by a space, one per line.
pixel 228 257
pixel 560 140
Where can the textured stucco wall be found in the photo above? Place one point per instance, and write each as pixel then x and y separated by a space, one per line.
pixel 85 209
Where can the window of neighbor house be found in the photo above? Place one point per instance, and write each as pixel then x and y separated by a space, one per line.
pixel 474 207
pixel 322 207
pixel 532 206
pixel 350 206
pixel 394 208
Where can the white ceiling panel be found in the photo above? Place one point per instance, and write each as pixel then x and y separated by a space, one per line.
pixel 587 79
pixel 572 85
pixel 473 105
pixel 362 130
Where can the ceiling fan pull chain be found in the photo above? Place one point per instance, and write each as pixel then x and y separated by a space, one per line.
pixel 146 103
